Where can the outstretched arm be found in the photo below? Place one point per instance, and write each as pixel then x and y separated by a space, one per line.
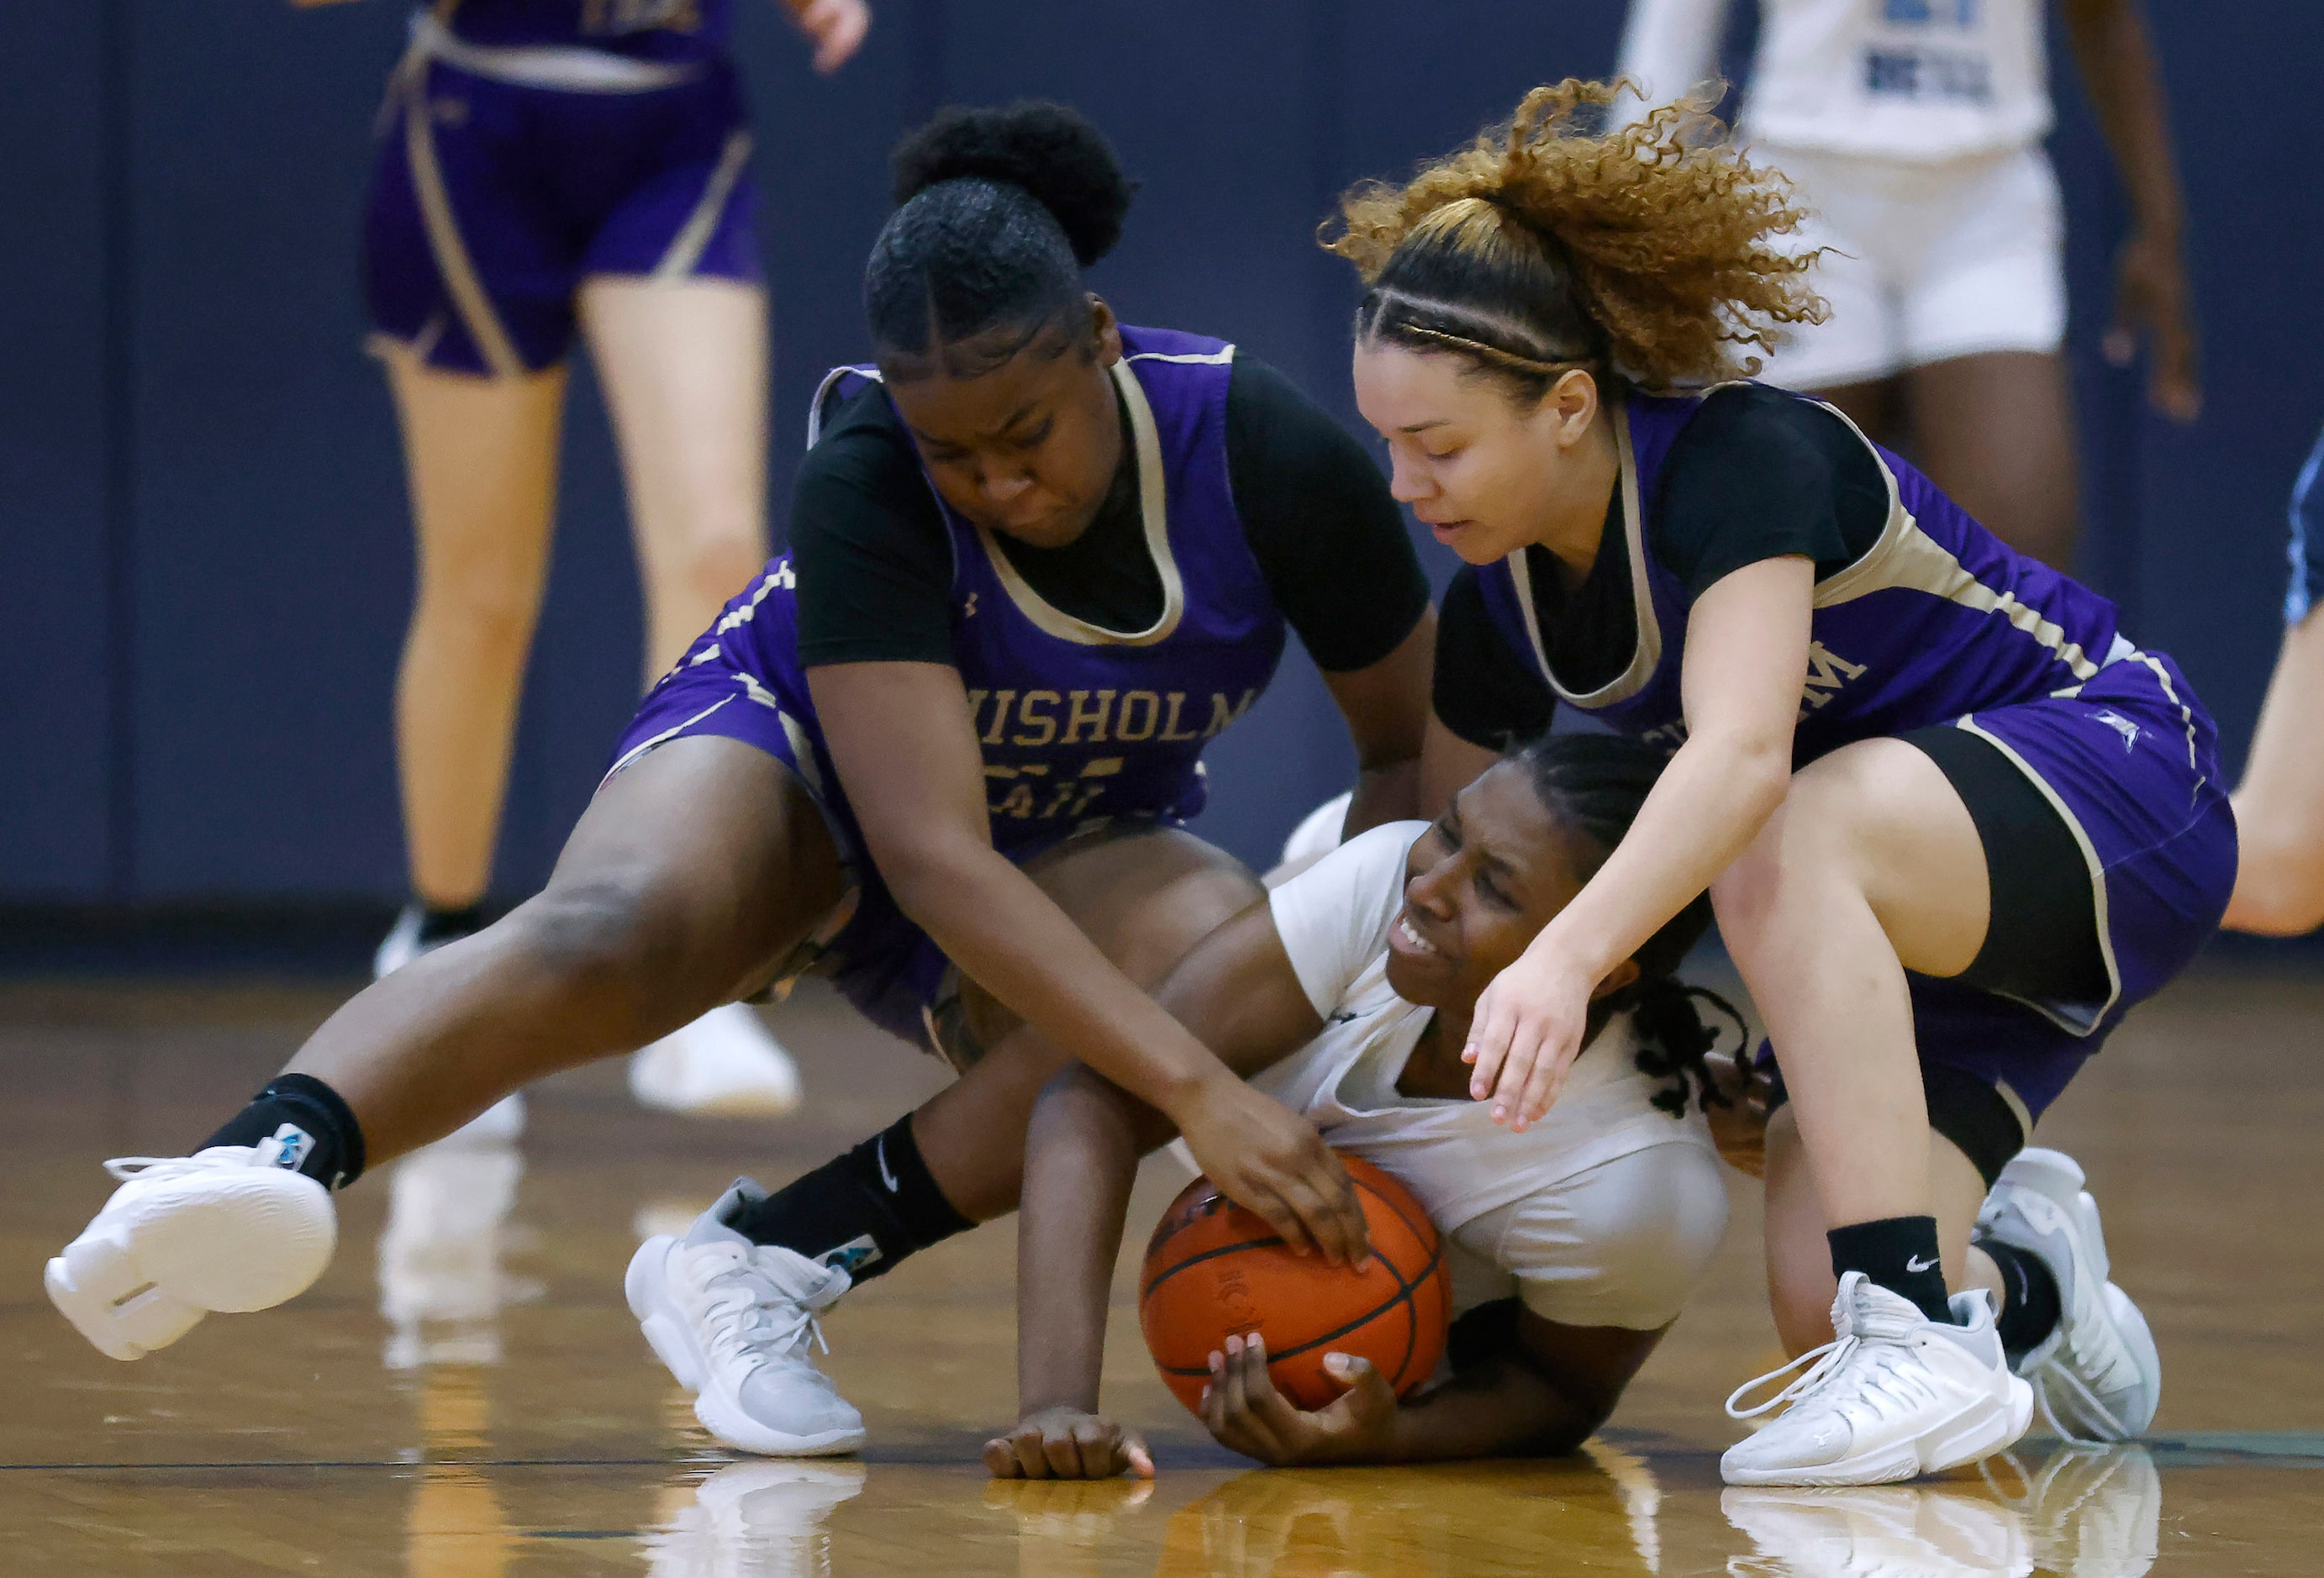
pixel 1238 993
pixel 2116 56
pixel 902 738
pixel 1746 660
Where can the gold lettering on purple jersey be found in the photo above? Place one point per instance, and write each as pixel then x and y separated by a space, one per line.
pixel 1078 715
pixel 1123 729
pixel 1222 717
pixel 1045 722
pixel 1000 719
pixel 1170 729
pixel 1827 672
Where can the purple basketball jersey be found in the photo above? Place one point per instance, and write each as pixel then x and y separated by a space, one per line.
pixel 1938 619
pixel 668 31
pixel 1080 723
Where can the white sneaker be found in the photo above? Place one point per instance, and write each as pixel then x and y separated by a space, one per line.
pixel 755 1521
pixel 229 1228
pixel 1893 1531
pixel 725 1064
pixel 734 1321
pixel 2096 1377
pixel 1894 1395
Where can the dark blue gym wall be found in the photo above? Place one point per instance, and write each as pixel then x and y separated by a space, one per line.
pixel 206 560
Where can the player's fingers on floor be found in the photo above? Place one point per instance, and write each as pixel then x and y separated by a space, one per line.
pixel 1001 1459
pixel 1097 1448
pixel 1136 1454
pixel 1032 1456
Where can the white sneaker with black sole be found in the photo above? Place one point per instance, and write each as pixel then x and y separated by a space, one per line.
pixel 228 1229
pixel 1894 1395
pixel 2096 1377
pixel 734 1321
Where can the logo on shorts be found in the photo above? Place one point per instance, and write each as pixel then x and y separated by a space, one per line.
pixel 2122 725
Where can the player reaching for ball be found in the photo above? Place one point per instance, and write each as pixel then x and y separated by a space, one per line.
pixel 1955 823
pixel 1046 560
pixel 1348 994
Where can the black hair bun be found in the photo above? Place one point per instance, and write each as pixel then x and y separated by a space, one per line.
pixel 1048 149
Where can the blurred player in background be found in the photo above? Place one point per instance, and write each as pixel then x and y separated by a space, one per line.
pixel 548 169
pixel 2280 806
pixel 1913 129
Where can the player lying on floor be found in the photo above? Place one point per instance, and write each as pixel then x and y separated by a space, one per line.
pixel 1347 993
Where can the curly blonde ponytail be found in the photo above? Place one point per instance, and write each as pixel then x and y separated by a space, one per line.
pixel 1646 252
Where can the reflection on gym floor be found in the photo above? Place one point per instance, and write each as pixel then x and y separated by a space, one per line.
pixel 2076 1512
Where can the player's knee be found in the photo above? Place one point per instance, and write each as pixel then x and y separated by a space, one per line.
pixel 604 940
pixel 2277 899
pixel 488 602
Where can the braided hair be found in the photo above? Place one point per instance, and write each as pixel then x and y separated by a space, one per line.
pixel 1001 210
pixel 1594 784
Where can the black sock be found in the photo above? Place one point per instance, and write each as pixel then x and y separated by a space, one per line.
pixel 442 925
pixel 1900 1254
pixel 866 1210
pixel 2030 1301
pixel 326 1143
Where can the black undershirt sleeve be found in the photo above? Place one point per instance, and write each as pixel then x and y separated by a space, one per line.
pixel 1318 517
pixel 870 546
pixel 1486 693
pixel 1761 474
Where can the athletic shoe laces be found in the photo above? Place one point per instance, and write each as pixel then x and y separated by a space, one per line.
pixel 2053 1372
pixel 754 1318
pixel 124 1168
pixel 1838 1376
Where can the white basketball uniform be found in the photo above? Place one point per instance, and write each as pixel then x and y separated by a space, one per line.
pixel 1602 1213
pixel 1912 129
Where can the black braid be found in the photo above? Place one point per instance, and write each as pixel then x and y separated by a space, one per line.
pixel 1595 783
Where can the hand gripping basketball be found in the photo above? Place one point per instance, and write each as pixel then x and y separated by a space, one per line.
pixel 1216 1278
pixel 1271 1161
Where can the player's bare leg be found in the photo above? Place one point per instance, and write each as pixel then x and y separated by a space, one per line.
pixel 684 366
pixel 2280 805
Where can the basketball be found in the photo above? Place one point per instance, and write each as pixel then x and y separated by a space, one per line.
pixel 1215 1270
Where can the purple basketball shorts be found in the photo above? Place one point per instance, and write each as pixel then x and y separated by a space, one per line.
pixel 2130 760
pixel 491 202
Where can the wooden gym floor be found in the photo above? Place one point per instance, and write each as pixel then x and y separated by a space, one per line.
pixel 532 1435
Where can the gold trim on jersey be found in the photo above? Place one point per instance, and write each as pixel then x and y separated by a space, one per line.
pixel 1647 654
pixel 685 247
pixel 452 260
pixel 1153 506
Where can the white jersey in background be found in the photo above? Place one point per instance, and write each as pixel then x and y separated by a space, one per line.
pixel 1920 80
pixel 1602 1213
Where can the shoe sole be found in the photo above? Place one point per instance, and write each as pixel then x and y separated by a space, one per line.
pixel 1977 1432
pixel 666 1333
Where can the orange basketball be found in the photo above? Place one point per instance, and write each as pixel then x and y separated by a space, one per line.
pixel 1215 1270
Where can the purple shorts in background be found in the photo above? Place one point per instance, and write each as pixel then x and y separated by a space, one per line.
pixel 491 202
